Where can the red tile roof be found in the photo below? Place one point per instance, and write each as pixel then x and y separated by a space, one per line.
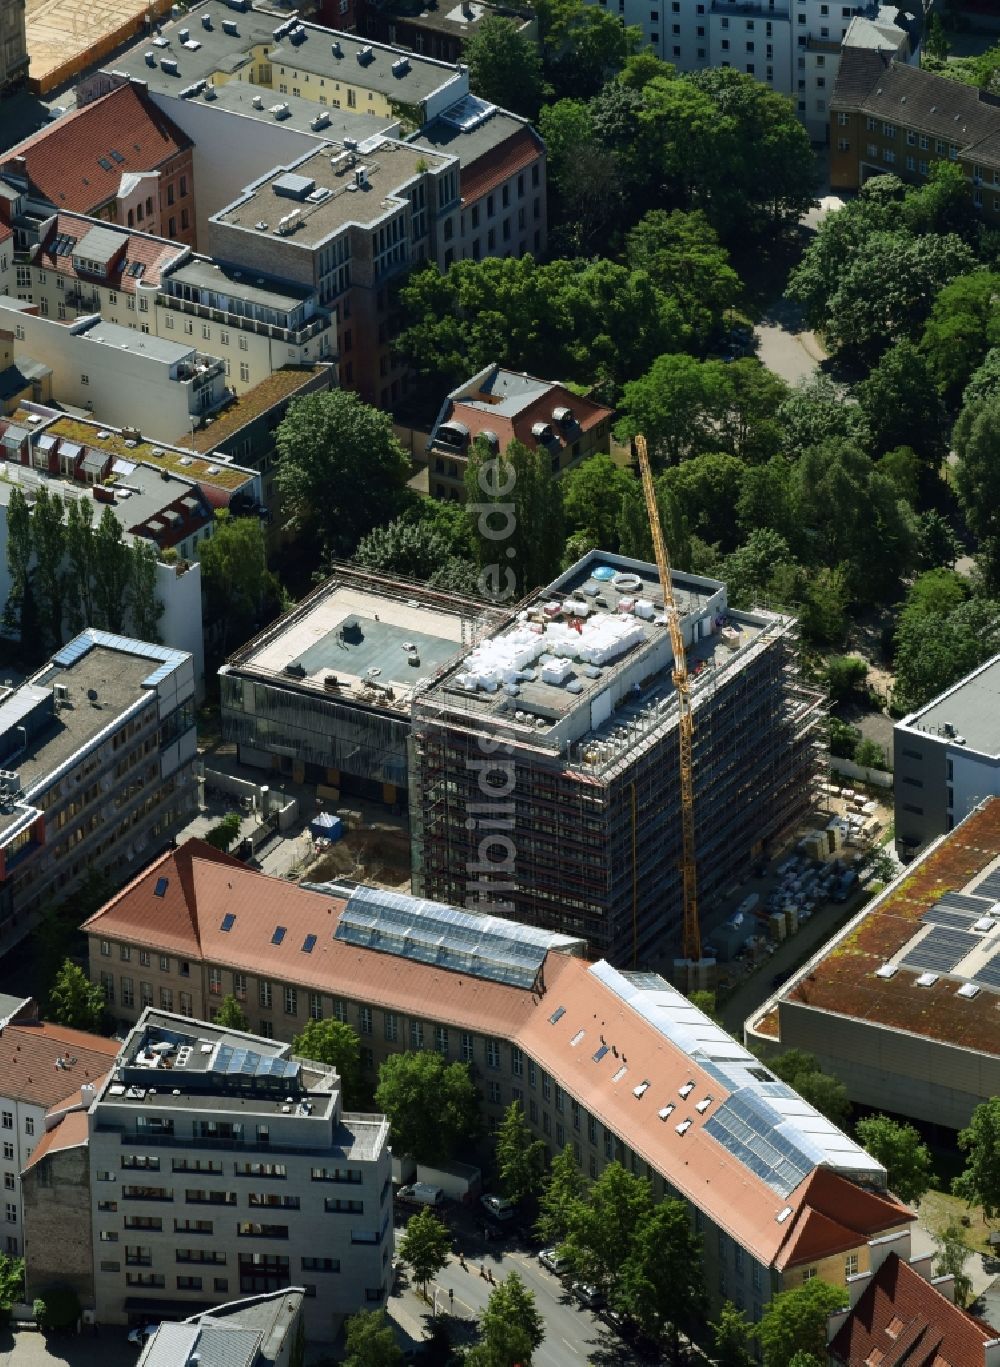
pixel 478 419
pixel 203 887
pixel 152 253
pixel 499 164
pixel 927 1329
pixel 28 1053
pixel 62 159
pixel 70 1133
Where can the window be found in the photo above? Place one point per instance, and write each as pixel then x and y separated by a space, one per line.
pixel 843 145
pixel 493 1053
pixel 496 1095
pixel 416 1034
pixel 851 1265
pixel 291 1002
pixel 911 163
pixel 143 958
pixel 924 142
pixel 244 372
pixel 366 1020
pixel 441 1040
pixel 467 1047
pixel 888 156
pixel 145 994
pixel 889 130
pixel 164 964
pixel 8 1181
pixel 11 1213
pixel 215 981
pixel 8 1150
pixel 240 986
pixel 911 138
pixel 264 994
pixel 923 168
pixel 516 1061
pixel 315 1006
pixel 128 992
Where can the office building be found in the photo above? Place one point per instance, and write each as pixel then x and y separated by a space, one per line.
pixel 617 1065
pixel 946 758
pixel 901 1004
pixel 118 158
pixel 221 1165
pixel 323 695
pixel 13 46
pixel 501 406
pixel 39 1064
pixel 576 689
pixel 96 750
pixel 890 117
pixel 255 1331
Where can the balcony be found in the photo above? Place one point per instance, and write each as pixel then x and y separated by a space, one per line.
pixel 241 323
pixel 751 9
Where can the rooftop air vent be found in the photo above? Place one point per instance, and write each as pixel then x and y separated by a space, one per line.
pixel 927 979
pixel 366 55
pixel 968 990
pixel 887 971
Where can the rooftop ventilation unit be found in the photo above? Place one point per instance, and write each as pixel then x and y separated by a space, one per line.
pixel 211 93
pixel 206 21
pixel 927 979
pixel 562 415
pixel 280 111
pixel 150 58
pixel 231 27
pixel 184 34
pixel 968 990
pixel 258 102
pixel 887 971
pixel 336 49
pixel 401 66
pixel 365 56
pixel 169 65
pixel 361 177
pixel 297 35
pixel 320 121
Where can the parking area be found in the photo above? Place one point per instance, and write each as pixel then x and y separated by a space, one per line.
pixel 27 1348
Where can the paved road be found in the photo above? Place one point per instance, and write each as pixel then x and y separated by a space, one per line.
pixel 785 347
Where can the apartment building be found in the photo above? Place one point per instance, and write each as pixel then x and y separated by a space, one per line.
pixel 119 159
pixel 442 34
pixel 619 1065
pixel 501 406
pixel 13 46
pixel 890 117
pixel 96 749
pixel 132 378
pixel 794 46
pixel 222 1165
pixel 39 1064
pixel 301 698
pixel 574 690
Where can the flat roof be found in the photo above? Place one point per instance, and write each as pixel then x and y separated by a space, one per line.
pixel 470 129
pixel 969 709
pixel 144 343
pixel 205 274
pixel 922 926
pixel 389 166
pixel 237 97
pixel 229 53
pixel 63 35
pixel 251 404
pixel 357 628
pixel 115 677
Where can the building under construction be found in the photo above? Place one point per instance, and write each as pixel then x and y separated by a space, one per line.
pixel 323 694
pixel 544 774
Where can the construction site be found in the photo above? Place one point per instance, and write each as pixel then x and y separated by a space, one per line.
pixel 546 762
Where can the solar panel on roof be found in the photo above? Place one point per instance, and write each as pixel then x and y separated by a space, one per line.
pixel 962 901
pixel 990 887
pixel 117 156
pixel 104 164
pixel 940 950
pixel 941 916
pixel 989 974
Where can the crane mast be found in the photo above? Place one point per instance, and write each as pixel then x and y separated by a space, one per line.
pixel 682 685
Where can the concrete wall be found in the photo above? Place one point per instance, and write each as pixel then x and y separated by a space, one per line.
pixel 58 1246
pixel 181 624
pixel 122 387
pixel 891 1070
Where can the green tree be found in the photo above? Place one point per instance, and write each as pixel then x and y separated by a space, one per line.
pixel 11 1284
pixel 510 1327
pixel 870 755
pixel 112 562
pixel 818 410
pixel 432 1106
pixel 341 470
pixel 795 1322
pixel 844 676
pixel 682 255
pixel 370 1341
pixel 230 1015
pixel 802 1072
pixel 48 539
pixel 732 1335
pixel 224 834
pixel 18 560
pixel 601 1229
pixel 520 1158
pixel 80 554
pixel 961 329
pixel 952 1255
pixel 901 405
pixel 414 550
pixel 505 66
pixel 707 489
pixel 75 1001
pixel 583 180
pixel 748 571
pixel 934 650
pixel 936 41
pixel 426 1246
pixel 979 1184
pixel 661 1282
pixel 593 495
pixel 676 405
pixel 899 1148
pixel 337 1045
pixel 58 1309
pixel 582 45
pixel 706 1003
pixel 514 503
pixel 235 581
pixel 144 607
pixel 976 478
pixel 564 1188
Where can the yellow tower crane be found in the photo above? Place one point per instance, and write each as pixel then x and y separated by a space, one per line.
pixel 682 684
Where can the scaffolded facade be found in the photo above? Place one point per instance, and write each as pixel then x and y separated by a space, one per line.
pixel 586 833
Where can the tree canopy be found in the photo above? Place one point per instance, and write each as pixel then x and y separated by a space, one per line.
pixel 432 1105
pixel 520 1158
pixel 795 1322
pixel 504 66
pixel 370 1341
pixel 979 1183
pixel 75 1001
pixel 230 1015
pixel 802 1071
pixel 336 1044
pixel 426 1246
pixel 899 1148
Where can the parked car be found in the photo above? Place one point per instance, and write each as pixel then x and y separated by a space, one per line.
pixel 498 1207
pixel 591 1297
pixel 549 1257
pixel 142 1332
pixel 420 1194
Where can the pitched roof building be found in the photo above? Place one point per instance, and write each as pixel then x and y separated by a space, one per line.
pixel 502 406
pixel 118 158
pixel 619 1065
pixel 887 116
pixel 900 1004
pixel 903 1319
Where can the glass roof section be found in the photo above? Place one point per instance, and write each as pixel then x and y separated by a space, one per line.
pixel 751 1129
pixel 247 1063
pixel 432 933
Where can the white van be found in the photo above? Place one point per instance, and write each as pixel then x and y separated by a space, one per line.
pixel 420 1194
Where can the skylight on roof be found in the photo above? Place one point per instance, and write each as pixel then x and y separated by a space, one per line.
pixel 161 887
pixel 601 1051
pixel 703 1106
pixel 617 1077
pixel 309 944
pixel 228 921
pixel 279 935
pixel 665 1112
pixel 642 1088
pixel 117 156
pixel 683 1127
pixel 687 1089
pixel 104 164
pixel 577 1038
pixel 783 1214
pixel 557 1015
pixel 927 979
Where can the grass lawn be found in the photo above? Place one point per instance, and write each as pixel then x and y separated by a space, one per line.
pixel 939 1208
